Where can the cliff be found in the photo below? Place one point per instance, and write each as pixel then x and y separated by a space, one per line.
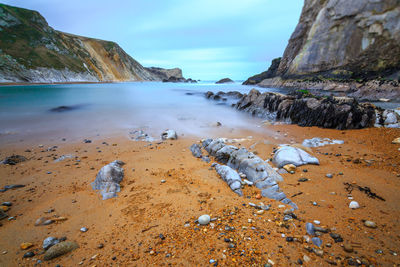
pixel 343 41
pixel 31 51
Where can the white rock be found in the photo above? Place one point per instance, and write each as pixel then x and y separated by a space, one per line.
pixel 169 135
pixel 354 205
pixel 204 219
pixel 317 222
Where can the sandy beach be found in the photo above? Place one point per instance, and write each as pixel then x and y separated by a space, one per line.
pixel 152 222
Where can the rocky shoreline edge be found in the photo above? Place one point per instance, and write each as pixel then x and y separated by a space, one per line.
pixel 305 109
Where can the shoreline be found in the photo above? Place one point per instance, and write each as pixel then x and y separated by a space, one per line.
pixel 129 225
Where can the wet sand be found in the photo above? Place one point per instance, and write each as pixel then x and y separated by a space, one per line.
pixel 130 225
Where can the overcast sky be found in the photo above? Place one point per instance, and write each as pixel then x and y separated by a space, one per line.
pixel 208 39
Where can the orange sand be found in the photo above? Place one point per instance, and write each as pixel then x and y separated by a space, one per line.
pixel 129 225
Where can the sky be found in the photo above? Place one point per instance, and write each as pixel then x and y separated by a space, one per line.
pixel 207 39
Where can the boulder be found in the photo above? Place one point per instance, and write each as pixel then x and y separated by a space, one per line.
pixel 169 135
pixel 231 177
pixel 196 150
pixel 14 159
pixel 109 178
pixel 292 155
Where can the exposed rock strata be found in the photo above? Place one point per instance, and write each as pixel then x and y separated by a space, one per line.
pixel 341 43
pixel 331 112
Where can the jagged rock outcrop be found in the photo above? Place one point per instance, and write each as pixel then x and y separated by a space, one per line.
pixel 307 110
pixel 31 51
pixel 256 170
pixel 337 42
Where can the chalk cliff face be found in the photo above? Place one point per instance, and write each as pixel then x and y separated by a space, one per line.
pixel 32 51
pixel 342 41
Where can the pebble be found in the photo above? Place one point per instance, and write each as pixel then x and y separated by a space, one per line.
pixel 289 239
pixel 329 175
pixel 306 258
pixel 303 180
pixel 260 212
pixel 271 262
pixel 163 181
pixel 4 252
pixel 26 245
pixel 101 245
pixel 318 252
pixel 4 208
pixel 379 251
pixel 84 229
pixel 49 242
pixel 348 248
pixel 258 196
pixel 310 229
pixel 317 241
pixel 354 205
pixel 370 224
pixel 29 254
pixel 307 238
pixel 317 222
pixel 204 219
pixel 314 203
pixel 212 261
pixel 336 237
pixel 8 204
pixel 289 167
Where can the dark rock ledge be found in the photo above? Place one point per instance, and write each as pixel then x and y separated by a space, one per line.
pixel 305 109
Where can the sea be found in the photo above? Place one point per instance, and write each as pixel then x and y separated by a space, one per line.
pixel 29 112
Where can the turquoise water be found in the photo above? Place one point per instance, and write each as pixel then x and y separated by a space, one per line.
pixel 117 108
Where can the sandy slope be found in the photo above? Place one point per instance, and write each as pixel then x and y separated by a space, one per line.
pixel 129 226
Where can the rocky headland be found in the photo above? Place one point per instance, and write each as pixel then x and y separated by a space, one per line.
pixel 33 52
pixel 345 46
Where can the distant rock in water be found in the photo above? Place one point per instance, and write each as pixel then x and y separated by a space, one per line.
pixel 65 108
pixel 174 79
pixel 225 80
